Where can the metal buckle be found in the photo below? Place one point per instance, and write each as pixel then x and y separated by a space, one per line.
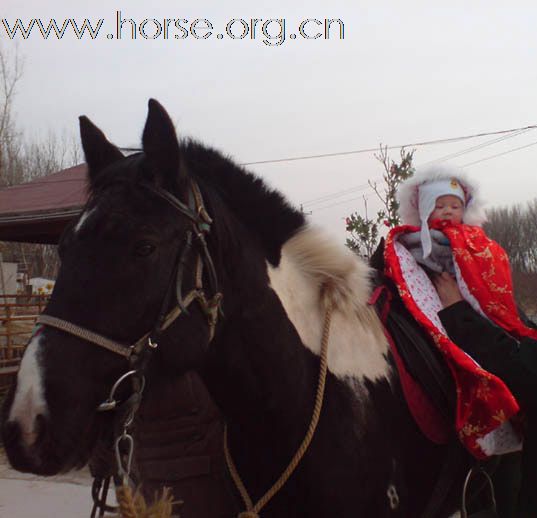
pixel 110 403
pixel 124 470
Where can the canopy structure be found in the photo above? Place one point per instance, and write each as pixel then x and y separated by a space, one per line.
pixel 38 211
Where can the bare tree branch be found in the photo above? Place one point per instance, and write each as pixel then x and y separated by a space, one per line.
pixel 22 160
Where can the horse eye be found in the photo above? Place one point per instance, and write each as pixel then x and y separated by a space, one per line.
pixel 144 249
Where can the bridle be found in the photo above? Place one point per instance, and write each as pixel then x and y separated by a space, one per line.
pixel 195 211
pixel 139 353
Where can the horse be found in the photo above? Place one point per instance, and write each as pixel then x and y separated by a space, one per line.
pixel 180 216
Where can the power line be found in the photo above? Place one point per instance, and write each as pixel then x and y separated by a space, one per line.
pixel 370 150
pixel 336 194
pixel 447 157
pixel 477 147
pixel 500 154
pixel 366 197
pixel 508 132
pixel 465 165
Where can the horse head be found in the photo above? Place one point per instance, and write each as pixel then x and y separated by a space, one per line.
pixel 131 264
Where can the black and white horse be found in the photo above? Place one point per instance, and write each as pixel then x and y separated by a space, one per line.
pixel 367 457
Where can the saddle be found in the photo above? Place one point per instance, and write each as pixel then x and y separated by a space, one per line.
pixel 425 378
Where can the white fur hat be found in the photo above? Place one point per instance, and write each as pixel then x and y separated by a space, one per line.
pixel 417 196
pixel 408 194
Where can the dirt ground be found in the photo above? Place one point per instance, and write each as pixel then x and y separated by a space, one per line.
pixel 23 495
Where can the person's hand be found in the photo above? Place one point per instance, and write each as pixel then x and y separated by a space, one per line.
pixel 447 289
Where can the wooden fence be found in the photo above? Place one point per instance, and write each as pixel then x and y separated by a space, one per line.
pixel 17 319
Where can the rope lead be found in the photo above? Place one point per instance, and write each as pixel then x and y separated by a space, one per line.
pixel 252 511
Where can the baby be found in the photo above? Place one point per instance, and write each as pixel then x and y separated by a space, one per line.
pixel 438 200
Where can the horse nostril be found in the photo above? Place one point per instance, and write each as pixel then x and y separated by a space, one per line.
pixel 10 432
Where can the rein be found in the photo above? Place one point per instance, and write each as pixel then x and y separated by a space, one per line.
pixel 252 511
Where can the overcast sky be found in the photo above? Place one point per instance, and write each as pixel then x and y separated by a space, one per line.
pixel 404 72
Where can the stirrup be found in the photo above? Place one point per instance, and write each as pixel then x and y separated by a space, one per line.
pixel 492 512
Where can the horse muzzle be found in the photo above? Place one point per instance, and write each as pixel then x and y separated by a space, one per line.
pixel 23 446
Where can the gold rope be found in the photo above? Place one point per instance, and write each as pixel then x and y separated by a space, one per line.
pixel 125 501
pixel 133 505
pixel 252 511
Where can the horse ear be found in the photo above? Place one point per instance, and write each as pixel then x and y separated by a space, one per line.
pixel 161 146
pixel 99 152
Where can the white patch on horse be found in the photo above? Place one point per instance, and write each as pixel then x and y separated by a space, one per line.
pixel 310 260
pixel 29 400
pixel 83 219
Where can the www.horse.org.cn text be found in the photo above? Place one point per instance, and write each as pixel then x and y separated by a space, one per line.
pixel 272 32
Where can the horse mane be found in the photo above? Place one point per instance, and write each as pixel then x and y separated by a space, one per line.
pixel 264 211
pixel 323 265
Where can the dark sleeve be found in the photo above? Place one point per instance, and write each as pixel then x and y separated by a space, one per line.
pixel 525 319
pixel 495 350
pixel 485 342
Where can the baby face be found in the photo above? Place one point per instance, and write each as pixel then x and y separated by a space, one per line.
pixel 448 207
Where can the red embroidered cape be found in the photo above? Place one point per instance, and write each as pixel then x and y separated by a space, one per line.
pixel 483 400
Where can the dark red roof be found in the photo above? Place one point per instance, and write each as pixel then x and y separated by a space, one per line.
pixel 38 211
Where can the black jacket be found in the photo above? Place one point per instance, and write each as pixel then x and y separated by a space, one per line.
pixel 179 444
pixel 513 361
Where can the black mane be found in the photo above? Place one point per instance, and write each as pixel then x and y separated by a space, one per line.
pixel 264 211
